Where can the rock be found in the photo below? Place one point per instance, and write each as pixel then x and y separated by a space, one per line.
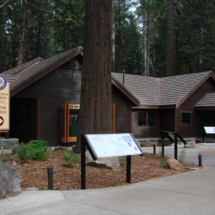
pixel 109 163
pixel 31 189
pixel 60 148
pixel 191 144
pixel 172 163
pixel 10 181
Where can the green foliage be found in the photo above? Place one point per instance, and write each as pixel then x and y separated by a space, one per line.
pixel 35 149
pixel 182 156
pixel 70 158
pixel 123 161
pixel 5 157
pixel 25 153
pixel 40 149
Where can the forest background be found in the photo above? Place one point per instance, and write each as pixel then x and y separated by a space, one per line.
pixel 149 37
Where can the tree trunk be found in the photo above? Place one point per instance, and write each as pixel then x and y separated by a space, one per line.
pixel 144 40
pixel 39 41
pixel 148 43
pixel 96 98
pixel 23 40
pixel 171 39
pixel 2 40
pixel 113 46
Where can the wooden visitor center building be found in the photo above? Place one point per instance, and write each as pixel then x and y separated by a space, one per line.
pixel 143 105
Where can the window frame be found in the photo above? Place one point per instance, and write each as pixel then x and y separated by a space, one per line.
pixel 181 118
pixel 147 119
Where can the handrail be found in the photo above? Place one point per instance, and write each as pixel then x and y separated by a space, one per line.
pixel 177 135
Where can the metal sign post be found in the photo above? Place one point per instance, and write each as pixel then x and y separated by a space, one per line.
pixel 126 146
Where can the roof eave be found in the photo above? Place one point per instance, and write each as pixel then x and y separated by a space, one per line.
pixel 210 75
pixel 126 93
pixel 14 91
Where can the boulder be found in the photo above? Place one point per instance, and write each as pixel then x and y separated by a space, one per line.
pixel 10 181
pixel 172 163
pixel 109 163
pixel 191 144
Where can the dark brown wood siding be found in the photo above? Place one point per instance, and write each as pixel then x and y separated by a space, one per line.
pixel 167 120
pixel 64 85
pixel 122 111
pixel 144 132
pixel 57 87
pixel 188 105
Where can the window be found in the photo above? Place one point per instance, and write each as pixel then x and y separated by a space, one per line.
pixel 146 119
pixel 186 118
pixel 141 119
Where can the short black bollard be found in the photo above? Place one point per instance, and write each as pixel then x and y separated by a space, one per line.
pixel 200 160
pixel 50 177
pixel 162 150
pixel 154 147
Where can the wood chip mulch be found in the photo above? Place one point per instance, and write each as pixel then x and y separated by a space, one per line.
pixel 34 173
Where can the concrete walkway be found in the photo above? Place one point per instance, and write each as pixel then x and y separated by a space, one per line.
pixel 207 150
pixel 187 193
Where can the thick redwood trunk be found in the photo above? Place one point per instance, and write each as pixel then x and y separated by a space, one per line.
pixel 23 40
pixel 96 99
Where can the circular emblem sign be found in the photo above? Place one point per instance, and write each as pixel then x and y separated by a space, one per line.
pixel 1 121
pixel 3 82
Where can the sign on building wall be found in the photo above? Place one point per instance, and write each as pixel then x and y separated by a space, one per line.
pixel 4 105
pixel 209 130
pixel 74 106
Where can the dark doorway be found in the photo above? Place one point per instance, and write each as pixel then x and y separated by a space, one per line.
pixel 206 118
pixel 23 119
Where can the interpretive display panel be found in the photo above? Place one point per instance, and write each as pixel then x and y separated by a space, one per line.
pixel 111 145
pixel 4 105
pixel 209 130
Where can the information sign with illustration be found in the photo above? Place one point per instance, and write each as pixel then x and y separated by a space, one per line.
pixel 209 130
pixel 4 105
pixel 110 145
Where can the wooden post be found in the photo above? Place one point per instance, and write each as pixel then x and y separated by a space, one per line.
pixel 67 124
pixel 64 123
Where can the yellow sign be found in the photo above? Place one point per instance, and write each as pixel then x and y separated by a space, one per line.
pixel 74 106
pixel 4 105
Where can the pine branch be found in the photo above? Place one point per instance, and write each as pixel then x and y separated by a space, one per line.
pixel 38 7
pixel 196 9
pixel 4 4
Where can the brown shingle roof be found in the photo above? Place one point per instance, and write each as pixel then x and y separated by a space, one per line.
pixel 29 70
pixel 175 88
pixel 145 89
pixel 16 70
pixel 161 91
pixel 207 101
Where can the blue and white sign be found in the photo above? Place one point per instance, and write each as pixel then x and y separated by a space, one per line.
pixel 111 145
pixel 3 82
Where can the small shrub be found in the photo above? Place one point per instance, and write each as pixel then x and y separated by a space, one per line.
pixel 162 158
pixel 182 156
pixel 40 148
pixel 25 153
pixel 123 162
pixel 5 157
pixel 70 158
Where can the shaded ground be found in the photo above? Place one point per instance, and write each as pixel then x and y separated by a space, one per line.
pixel 34 173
